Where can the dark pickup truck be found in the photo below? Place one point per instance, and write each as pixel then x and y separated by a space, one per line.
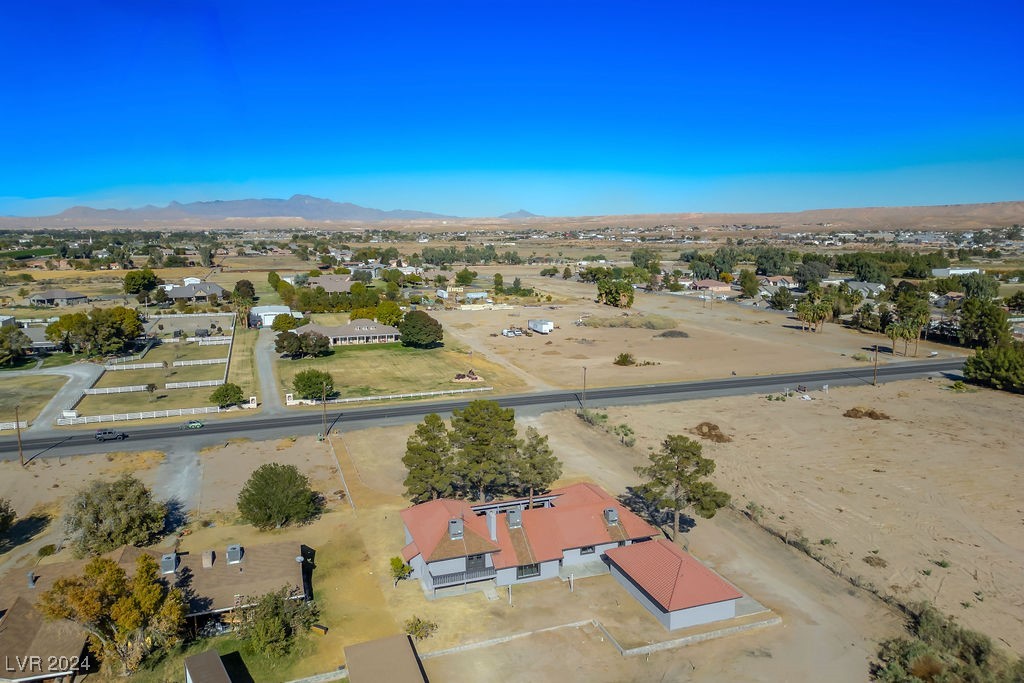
pixel 110 435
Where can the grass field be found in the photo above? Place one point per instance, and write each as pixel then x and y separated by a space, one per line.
pixel 373 370
pixel 32 393
pixel 243 362
pixel 161 399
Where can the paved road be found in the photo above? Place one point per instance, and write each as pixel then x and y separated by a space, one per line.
pixel 81 441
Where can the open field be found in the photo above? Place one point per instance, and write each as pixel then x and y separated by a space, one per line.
pixel 722 339
pixel 931 497
pixel 243 361
pixel 376 369
pixel 31 393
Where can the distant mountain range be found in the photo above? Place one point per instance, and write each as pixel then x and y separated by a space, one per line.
pixel 520 215
pixel 296 206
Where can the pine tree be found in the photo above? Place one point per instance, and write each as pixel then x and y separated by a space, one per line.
pixel 536 466
pixel 484 436
pixel 428 457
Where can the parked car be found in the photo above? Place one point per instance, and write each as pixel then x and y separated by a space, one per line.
pixel 110 435
pixel 192 424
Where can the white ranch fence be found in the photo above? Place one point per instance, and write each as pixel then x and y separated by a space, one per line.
pixel 124 417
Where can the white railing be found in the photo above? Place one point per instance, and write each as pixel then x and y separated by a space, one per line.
pixel 13 425
pixel 207 361
pixel 123 417
pixel 133 366
pixel 116 390
pixel 389 397
pixel 221 338
pixel 193 385
pixel 222 314
pixel 139 356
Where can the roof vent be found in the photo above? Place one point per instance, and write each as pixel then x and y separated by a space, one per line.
pixel 455 529
pixel 168 563
pixel 611 516
pixel 235 553
pixel 207 559
pixel 515 518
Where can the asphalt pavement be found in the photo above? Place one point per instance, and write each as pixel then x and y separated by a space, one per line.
pixel 67 442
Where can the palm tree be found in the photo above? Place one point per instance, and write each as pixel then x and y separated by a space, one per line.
pixel 893 332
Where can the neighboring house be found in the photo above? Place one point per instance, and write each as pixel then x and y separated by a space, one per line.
pixel 8 321
pixel 868 289
pixel 206 667
pixel 332 284
pixel 713 286
pixel 478 297
pixel 778 281
pixel 949 272
pixel 215 581
pixel 57 297
pixel 197 292
pixel 38 336
pixel 392 659
pixel 677 589
pixel 31 644
pixel 263 316
pixel 453 542
pixel 359 331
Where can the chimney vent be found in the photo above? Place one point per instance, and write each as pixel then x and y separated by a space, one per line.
pixel 492 524
pixel 611 516
pixel 235 554
pixel 515 518
pixel 169 563
pixel 455 529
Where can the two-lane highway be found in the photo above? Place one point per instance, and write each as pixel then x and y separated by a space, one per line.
pixel 70 442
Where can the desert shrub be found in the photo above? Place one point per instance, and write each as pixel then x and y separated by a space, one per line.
pixel 646 322
pixel 875 561
pixel 673 334
pixel 625 359
pixel 47 550
pixel 420 628
pixel 869 413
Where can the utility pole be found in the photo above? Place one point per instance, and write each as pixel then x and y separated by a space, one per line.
pixel 323 402
pixel 17 427
pixel 583 402
pixel 874 378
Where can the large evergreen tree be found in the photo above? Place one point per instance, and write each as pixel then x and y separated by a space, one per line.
pixel 106 515
pixel 484 436
pixel 277 495
pixel 420 330
pixel 676 480
pixel 536 466
pixel 428 457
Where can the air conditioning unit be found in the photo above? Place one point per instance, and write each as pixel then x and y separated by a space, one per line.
pixel 455 529
pixel 611 516
pixel 235 553
pixel 515 518
pixel 169 563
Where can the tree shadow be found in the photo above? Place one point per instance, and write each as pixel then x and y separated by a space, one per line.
pixel 175 516
pixel 23 531
pixel 195 602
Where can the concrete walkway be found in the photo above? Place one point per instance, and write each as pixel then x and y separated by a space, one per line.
pixel 81 376
pixel 266 358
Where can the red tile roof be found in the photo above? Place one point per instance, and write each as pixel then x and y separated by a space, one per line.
pixel 673 578
pixel 576 519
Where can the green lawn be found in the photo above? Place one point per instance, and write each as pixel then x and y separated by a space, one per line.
pixel 376 369
pixel 142 401
pixel 57 360
pixel 161 376
pixel 32 393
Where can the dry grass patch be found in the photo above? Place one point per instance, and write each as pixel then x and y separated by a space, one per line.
pixel 709 431
pixel 651 321
pixel 32 393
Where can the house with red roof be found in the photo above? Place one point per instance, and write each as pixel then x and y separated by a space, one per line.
pixel 454 542
pixel 677 589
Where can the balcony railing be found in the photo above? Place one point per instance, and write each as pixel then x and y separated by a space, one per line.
pixel 456 578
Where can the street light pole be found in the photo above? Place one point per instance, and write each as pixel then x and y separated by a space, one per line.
pixel 874 377
pixel 17 427
pixel 323 402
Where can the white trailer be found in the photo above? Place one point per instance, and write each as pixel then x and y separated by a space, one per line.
pixel 541 326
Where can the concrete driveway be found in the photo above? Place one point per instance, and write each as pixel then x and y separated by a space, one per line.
pixel 266 361
pixel 80 376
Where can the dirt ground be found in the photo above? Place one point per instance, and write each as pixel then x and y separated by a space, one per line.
pixel 723 338
pixel 931 497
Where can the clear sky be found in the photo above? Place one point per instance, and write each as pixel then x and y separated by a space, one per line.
pixel 482 107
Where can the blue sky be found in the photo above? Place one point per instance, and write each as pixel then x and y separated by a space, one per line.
pixel 478 108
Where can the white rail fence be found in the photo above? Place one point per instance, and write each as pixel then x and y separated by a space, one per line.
pixel 13 425
pixel 124 417
pixel 207 361
pixel 194 385
pixel 222 314
pixel 132 366
pixel 138 356
pixel 116 390
pixel 388 397
pixel 220 338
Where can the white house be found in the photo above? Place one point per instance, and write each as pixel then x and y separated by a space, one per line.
pixel 950 272
pixel 263 316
